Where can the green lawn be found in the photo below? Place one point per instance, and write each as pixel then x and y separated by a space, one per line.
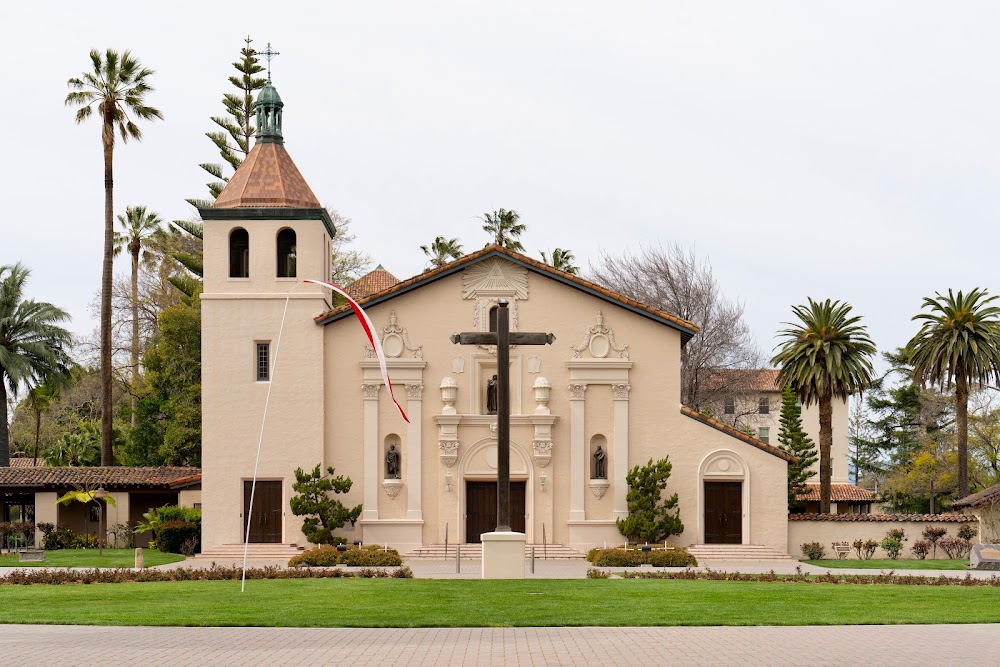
pixel 477 603
pixel 89 558
pixel 886 564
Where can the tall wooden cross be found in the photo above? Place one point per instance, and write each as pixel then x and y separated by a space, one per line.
pixel 503 339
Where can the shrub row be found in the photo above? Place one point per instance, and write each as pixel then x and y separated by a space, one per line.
pixel 215 573
pixel 670 557
pixel 328 556
pixel 892 544
pixel 881 578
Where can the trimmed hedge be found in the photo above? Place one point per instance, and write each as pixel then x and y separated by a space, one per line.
pixel 171 535
pixel 670 557
pixel 326 555
pixel 27 576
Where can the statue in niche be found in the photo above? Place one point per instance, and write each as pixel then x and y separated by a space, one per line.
pixel 392 463
pixel 491 395
pixel 600 465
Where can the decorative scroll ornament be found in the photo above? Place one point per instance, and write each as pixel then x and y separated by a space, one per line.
pixel 600 341
pixel 494 430
pixel 392 487
pixel 599 487
pixel 370 390
pixel 577 391
pixel 543 452
pixel 449 452
pixel 395 340
pixel 414 391
pixel 620 391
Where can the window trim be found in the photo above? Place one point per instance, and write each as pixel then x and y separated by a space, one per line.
pixel 258 361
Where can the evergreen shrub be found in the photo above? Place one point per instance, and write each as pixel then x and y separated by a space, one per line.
pixel 671 558
pixel 322 556
pixel 371 556
pixel 617 558
pixel 173 534
pixel 813 551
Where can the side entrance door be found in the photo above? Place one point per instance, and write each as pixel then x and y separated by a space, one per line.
pixel 265 517
pixel 723 512
pixel 481 509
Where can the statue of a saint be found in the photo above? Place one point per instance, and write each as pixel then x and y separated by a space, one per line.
pixel 600 467
pixel 392 463
pixel 491 396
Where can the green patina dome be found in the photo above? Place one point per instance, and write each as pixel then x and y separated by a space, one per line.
pixel 268 95
pixel 268 109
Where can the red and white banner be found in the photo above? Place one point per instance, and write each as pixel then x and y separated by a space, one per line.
pixel 369 328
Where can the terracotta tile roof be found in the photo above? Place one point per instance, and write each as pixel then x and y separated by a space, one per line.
pixel 267 178
pixel 749 379
pixel 687 329
pixel 839 493
pixel 25 462
pixel 947 518
pixel 984 497
pixel 736 433
pixel 372 282
pixel 111 477
pixel 190 480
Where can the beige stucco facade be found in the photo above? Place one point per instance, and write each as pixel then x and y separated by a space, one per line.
pixel 611 379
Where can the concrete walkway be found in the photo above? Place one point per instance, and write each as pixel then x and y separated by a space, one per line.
pixel 967 645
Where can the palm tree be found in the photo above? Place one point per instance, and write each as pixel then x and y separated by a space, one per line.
pixel 32 344
pixel 137 226
pixel 561 259
pixel 117 87
pixel 504 227
pixel 826 355
pixel 959 338
pixel 41 396
pixel 442 251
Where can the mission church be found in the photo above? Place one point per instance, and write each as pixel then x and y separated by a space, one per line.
pixel 604 397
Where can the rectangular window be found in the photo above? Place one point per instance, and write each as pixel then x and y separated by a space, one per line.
pixel 764 407
pixel 263 362
pixel 730 408
pixel 764 435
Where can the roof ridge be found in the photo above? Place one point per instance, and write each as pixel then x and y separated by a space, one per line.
pixel 739 435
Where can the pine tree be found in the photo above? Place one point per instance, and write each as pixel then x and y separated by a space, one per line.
pixel 324 513
pixel 649 515
pixel 792 439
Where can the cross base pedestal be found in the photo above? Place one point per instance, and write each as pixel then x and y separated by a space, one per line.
pixel 503 555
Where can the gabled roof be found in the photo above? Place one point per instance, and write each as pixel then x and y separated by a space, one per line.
pixel 736 433
pixel 839 493
pixel 687 329
pixel 372 282
pixel 267 178
pixel 984 497
pixel 110 477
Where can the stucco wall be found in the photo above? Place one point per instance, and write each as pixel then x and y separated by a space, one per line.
pixel 828 532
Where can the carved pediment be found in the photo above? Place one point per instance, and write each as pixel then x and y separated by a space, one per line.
pixel 395 340
pixel 495 277
pixel 599 341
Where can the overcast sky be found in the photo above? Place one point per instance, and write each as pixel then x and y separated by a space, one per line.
pixel 844 150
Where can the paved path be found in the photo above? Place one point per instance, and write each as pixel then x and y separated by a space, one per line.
pixel 967 645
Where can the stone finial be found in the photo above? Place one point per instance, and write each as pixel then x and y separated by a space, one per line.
pixel 543 389
pixel 449 394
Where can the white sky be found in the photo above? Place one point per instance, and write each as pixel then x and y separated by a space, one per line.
pixel 844 150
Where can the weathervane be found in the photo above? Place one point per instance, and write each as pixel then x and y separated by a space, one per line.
pixel 269 53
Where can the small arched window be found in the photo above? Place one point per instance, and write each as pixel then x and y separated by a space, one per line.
pixel 493 318
pixel 286 253
pixel 239 253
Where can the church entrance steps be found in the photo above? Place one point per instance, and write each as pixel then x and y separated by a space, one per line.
pixel 235 551
pixel 475 552
pixel 737 552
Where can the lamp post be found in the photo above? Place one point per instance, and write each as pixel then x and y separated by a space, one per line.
pixel 100 495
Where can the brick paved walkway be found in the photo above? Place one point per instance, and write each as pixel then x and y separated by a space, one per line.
pixel 967 645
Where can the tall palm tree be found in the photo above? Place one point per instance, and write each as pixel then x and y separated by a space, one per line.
pixel 442 251
pixel 960 339
pixel 32 344
pixel 137 225
pixel 504 227
pixel 561 259
pixel 117 87
pixel 826 354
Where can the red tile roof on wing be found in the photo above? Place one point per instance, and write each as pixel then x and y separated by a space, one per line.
pixel 372 282
pixel 860 518
pixel 736 433
pixel 749 379
pixel 267 178
pixel 24 462
pixel 109 477
pixel 839 493
pixel 985 497
pixel 686 328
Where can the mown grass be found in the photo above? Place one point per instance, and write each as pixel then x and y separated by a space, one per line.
pixel 477 603
pixel 90 558
pixel 887 564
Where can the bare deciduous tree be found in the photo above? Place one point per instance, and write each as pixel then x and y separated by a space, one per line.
pixel 675 279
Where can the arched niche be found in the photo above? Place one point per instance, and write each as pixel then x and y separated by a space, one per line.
pixel 392 457
pixel 599 468
pixel 286 253
pixel 239 253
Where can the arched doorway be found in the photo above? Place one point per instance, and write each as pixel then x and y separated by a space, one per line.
pixel 478 490
pixel 724 498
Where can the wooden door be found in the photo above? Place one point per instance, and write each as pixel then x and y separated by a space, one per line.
pixel 723 512
pixel 481 509
pixel 265 516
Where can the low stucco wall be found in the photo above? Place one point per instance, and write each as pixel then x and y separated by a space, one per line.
pixel 829 528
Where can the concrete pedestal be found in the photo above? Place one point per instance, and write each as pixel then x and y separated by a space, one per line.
pixel 503 555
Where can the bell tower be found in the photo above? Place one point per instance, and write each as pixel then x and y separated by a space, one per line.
pixel 265 233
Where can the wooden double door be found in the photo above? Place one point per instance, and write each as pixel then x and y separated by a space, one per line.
pixel 723 512
pixel 265 515
pixel 481 509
